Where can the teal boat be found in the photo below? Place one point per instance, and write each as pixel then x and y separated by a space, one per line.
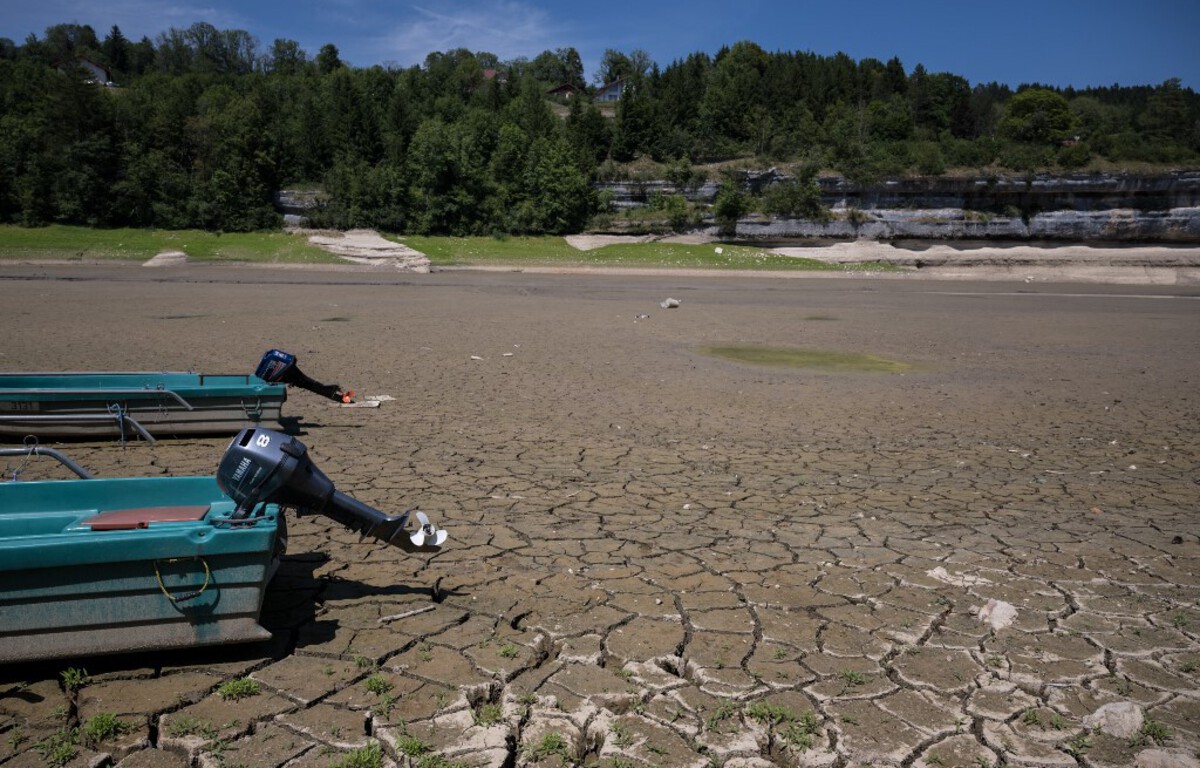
pixel 101 566
pixel 149 404
pixel 120 565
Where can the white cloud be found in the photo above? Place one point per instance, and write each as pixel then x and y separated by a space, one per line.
pixel 507 29
pixel 136 18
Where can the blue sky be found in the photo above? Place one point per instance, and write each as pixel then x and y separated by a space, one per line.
pixel 1059 42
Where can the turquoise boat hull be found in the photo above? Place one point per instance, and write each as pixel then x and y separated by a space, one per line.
pixel 130 564
pixel 98 404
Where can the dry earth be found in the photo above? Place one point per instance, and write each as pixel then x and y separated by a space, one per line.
pixel 659 558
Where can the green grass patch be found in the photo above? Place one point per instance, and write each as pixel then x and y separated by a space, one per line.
pixel 62 243
pixel 556 252
pixel 238 689
pixel 493 251
pixel 833 362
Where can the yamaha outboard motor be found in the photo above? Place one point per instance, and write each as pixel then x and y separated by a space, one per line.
pixel 278 366
pixel 262 465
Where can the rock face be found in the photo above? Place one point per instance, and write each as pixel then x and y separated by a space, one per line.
pixel 295 204
pixel 1179 225
pixel 1100 207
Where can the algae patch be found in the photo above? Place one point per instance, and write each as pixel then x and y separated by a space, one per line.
pixel 816 359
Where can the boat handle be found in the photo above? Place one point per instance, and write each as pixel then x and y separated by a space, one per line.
pixel 187 595
pixel 255 413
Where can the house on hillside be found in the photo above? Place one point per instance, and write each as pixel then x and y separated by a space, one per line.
pixel 498 75
pixel 611 91
pixel 564 91
pixel 95 72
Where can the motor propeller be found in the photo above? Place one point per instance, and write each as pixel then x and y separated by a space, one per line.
pixel 262 465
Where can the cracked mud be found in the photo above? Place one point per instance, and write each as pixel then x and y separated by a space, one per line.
pixel 658 558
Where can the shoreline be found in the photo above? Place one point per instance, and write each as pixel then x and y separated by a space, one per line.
pixel 1172 265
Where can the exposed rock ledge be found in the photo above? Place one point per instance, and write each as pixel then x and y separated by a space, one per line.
pixel 366 246
pixel 1178 225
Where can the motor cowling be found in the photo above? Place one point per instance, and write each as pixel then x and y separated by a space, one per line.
pixel 264 466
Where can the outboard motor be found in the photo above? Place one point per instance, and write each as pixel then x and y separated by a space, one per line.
pixel 278 366
pixel 262 465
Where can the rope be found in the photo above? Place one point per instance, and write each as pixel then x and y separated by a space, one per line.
pixel 188 595
pixel 115 409
pixel 31 444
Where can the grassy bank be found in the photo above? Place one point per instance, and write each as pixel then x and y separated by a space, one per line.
pixel 63 243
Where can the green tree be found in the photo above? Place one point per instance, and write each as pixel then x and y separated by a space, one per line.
pixel 328 59
pixel 729 206
pixel 1166 116
pixel 116 51
pixel 1038 116
pixel 554 197
pixel 287 57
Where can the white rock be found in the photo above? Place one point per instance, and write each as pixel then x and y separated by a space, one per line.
pixel 1161 758
pixel 669 303
pixel 957 579
pixel 1122 719
pixel 998 614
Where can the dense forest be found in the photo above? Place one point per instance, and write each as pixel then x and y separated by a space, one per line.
pixel 200 127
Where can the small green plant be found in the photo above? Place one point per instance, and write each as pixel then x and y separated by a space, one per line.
pixel 59 748
pixel 552 744
pixel 1179 620
pixel 190 726
pixel 105 726
pixel 769 714
pixel 17 737
pixel 74 679
pixel 488 715
pixel 727 710
pixel 802 732
pixel 622 738
pixel 509 651
pixel 435 760
pixel 386 703
pixel 1058 722
pixel 1080 744
pixel 851 678
pixel 370 756
pixel 936 760
pixel 411 746
pixel 238 689
pixel 1032 717
pixel 780 654
pixel 1188 666
pixel 1151 732
pixel 362 662
pixel 377 684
